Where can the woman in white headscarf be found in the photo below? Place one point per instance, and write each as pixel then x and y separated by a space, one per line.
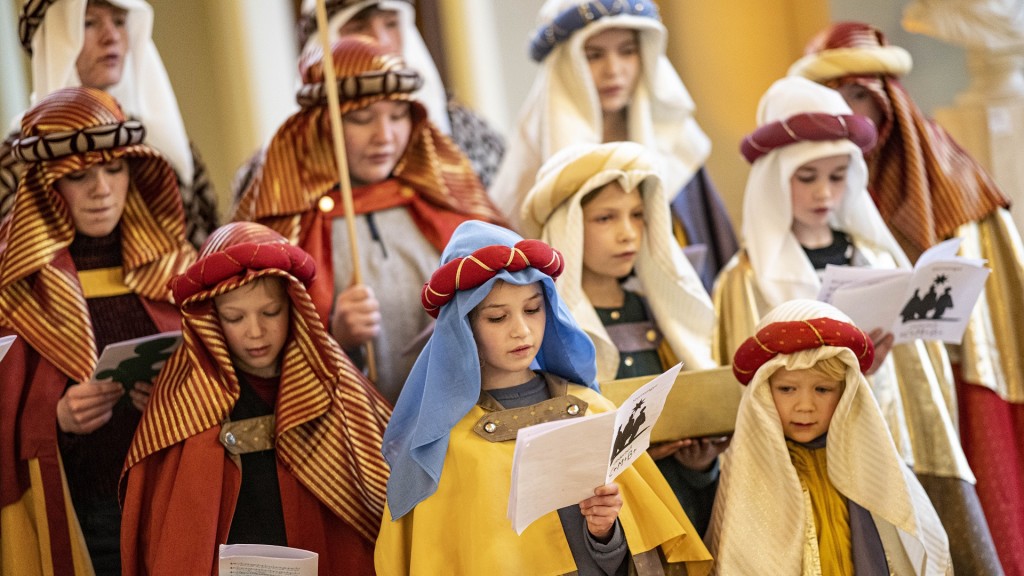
pixel 802 125
pixel 604 77
pixel 108 45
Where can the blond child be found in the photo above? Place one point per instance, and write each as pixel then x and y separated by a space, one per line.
pixel 505 353
pixel 812 483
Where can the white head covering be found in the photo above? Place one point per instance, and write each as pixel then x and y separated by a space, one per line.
pixel 563 108
pixel 759 512
pixel 552 210
pixel 781 267
pixel 144 92
pixel 414 51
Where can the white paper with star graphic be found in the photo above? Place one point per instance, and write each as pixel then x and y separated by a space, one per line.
pixel 561 463
pixel 931 302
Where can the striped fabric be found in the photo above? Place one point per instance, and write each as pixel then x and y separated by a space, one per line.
pixel 760 514
pixel 329 419
pixel 299 166
pixel 468 272
pixel 39 300
pixel 924 184
pixel 813 126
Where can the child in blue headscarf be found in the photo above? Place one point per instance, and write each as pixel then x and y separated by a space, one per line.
pixel 506 353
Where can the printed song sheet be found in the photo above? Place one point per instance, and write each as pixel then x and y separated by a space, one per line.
pixel 931 302
pixel 560 463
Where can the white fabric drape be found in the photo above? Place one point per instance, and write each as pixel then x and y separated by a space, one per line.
pixel 144 92
pixel 674 293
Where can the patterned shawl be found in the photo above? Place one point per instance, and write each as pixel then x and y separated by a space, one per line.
pixel 329 419
pixel 300 169
pixel 924 184
pixel 71 130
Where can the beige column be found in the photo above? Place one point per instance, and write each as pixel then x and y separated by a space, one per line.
pixel 233 67
pixel 14 87
pixel 988 121
pixel 471 49
pixel 728 53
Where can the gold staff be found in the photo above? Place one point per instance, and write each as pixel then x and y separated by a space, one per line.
pixel 331 81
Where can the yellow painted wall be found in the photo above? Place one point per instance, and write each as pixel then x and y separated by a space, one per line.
pixel 728 53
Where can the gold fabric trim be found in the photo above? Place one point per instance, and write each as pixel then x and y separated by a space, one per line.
pixel 503 425
pixel 249 435
pixel 103 282
pixel 993 346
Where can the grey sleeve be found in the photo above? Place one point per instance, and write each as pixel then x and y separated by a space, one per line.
pixel 592 557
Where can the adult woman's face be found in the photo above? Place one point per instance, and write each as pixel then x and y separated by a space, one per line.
pixel 100 64
pixel 375 140
pixel 613 56
pixel 96 197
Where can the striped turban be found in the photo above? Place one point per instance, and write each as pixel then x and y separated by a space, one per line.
pixel 808 126
pixel 468 272
pixel 329 419
pixel 924 184
pixel 300 168
pixel 72 130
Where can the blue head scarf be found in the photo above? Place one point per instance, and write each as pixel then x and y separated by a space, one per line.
pixel 444 384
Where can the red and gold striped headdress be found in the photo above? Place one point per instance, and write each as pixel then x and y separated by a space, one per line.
pixel 40 295
pixel 466 273
pixel 329 419
pixel 299 167
pixel 924 184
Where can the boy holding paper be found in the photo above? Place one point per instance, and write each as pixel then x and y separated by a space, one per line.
pixel 96 232
pixel 629 285
pixel 261 413
pixel 813 483
pixel 450 442
pixel 806 206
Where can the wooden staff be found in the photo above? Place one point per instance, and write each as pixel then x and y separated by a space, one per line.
pixel 331 81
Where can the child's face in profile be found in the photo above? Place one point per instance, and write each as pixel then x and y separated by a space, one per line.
pixel 805 400
pixel 508 326
pixel 613 228
pixel 254 318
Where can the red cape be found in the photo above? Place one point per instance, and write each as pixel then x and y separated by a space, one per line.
pixel 179 503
